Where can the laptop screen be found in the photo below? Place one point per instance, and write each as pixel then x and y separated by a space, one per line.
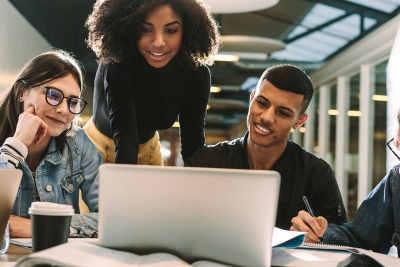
pixel 223 215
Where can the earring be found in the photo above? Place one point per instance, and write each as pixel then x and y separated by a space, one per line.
pixel 21 99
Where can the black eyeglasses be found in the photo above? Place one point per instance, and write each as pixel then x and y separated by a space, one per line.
pixel 54 97
pixel 388 145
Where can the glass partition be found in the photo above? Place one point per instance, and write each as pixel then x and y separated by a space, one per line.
pixel 332 129
pixel 316 123
pixel 380 102
pixel 352 153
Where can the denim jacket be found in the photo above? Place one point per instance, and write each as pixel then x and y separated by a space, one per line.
pixel 376 225
pixel 56 183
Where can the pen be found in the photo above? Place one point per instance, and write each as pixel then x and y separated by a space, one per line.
pixel 308 206
pixel 309 210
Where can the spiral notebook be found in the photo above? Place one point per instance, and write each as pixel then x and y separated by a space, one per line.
pixel 310 255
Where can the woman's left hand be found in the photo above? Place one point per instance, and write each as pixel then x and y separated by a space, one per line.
pixel 20 227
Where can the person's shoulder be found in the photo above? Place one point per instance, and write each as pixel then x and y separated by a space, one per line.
pixel 118 68
pixel 227 144
pixel 225 148
pixel 395 169
pixel 203 71
pixel 203 68
pixel 79 132
pixel 215 149
pixel 307 156
pixel 79 137
pixel 82 142
pixel 393 176
pixel 217 155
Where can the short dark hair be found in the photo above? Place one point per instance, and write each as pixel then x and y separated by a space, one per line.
pixel 292 79
pixel 114 29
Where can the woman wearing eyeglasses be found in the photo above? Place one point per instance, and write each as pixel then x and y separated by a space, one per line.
pixel 39 135
pixel 376 225
pixel 153 56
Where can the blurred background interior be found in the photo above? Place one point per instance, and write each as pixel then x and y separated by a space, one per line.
pixel 344 45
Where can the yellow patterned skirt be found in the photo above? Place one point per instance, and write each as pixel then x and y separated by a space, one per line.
pixel 149 152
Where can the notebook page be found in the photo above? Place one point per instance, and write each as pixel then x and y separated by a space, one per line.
pixel 89 255
pixel 310 258
pixel 27 242
pixel 287 239
pixel 84 255
pixel 329 247
pixel 380 258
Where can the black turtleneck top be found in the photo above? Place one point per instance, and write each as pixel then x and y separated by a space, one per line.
pixel 132 100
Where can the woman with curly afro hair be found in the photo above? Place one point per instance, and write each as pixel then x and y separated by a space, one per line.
pixel 152 70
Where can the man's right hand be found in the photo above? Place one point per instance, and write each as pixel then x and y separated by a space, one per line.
pixel 30 128
pixel 315 227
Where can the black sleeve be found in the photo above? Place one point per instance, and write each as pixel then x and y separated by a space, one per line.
pixel 191 118
pixel 118 86
pixel 327 200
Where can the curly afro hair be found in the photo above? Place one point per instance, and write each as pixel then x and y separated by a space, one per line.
pixel 114 29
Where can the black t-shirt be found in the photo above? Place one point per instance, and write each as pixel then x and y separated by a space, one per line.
pixel 302 174
pixel 132 100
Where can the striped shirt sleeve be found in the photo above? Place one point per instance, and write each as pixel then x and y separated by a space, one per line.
pixel 15 150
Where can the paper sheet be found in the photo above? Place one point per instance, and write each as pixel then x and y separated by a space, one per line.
pixel 310 258
pixel 27 242
pixel 287 239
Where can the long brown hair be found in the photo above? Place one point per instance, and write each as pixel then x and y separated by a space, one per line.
pixel 37 71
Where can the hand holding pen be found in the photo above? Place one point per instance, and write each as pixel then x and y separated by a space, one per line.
pixel 306 222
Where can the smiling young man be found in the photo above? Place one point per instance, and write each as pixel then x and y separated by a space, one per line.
pixel 277 105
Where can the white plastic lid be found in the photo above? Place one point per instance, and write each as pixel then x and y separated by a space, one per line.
pixel 50 209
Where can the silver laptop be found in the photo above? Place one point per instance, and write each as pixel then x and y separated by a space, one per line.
pixel 222 215
pixel 9 183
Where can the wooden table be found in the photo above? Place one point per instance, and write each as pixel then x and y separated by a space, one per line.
pixel 13 253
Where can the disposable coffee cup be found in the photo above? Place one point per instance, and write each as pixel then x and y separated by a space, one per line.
pixel 50 224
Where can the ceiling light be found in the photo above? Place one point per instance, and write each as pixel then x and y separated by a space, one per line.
pixel 377 97
pixel 208 106
pixel 246 55
pixel 251 44
pixel 380 98
pixel 351 113
pixel 354 113
pixel 302 129
pixel 176 124
pixel 333 112
pixel 230 58
pixel 223 6
pixel 215 89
